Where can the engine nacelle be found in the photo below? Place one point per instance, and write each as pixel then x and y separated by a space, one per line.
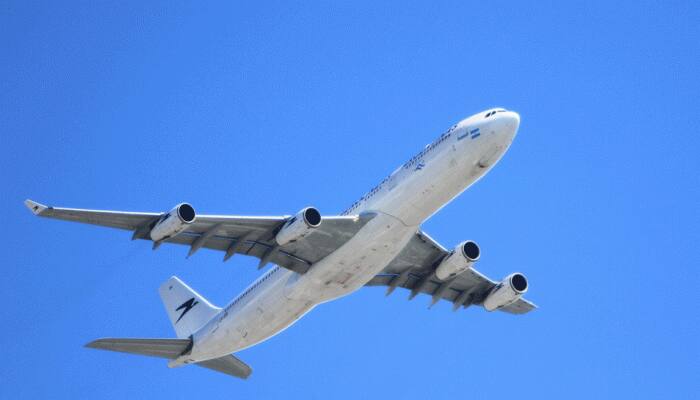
pixel 461 259
pixel 506 292
pixel 174 222
pixel 300 225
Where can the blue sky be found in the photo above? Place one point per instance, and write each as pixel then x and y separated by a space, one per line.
pixel 266 109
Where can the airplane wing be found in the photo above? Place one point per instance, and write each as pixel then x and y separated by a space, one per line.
pixel 414 269
pixel 253 236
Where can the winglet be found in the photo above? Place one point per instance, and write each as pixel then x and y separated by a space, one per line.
pixel 34 207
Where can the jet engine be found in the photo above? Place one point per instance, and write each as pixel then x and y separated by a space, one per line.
pixel 506 292
pixel 172 223
pixel 300 225
pixel 461 259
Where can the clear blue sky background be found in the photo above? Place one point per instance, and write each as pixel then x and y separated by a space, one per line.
pixel 266 109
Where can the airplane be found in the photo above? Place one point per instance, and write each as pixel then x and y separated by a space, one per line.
pixel 377 241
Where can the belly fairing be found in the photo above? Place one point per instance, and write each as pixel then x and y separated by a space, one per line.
pixel 356 262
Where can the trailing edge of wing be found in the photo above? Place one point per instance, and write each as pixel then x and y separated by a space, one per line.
pixel 464 291
pixel 521 306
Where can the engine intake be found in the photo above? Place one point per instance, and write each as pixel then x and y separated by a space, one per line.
pixel 506 292
pixel 173 223
pixel 298 226
pixel 462 258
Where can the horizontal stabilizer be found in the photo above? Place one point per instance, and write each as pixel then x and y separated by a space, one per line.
pixel 172 349
pixel 163 348
pixel 228 365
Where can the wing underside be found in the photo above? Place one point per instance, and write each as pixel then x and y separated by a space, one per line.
pixel 253 236
pixel 414 269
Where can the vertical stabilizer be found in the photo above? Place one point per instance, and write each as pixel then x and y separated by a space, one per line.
pixel 188 310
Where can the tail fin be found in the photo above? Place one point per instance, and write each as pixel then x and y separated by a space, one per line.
pixel 188 310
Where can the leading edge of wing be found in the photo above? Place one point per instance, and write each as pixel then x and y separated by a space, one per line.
pixel 48 211
pixel 43 210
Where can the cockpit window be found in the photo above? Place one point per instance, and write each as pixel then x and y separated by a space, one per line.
pixel 490 113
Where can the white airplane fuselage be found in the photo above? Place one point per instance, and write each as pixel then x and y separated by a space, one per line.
pixel 401 202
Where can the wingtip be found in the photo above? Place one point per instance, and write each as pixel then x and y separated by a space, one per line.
pixel 34 207
pixel 95 344
pixel 105 343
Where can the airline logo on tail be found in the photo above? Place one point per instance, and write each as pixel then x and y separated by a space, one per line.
pixel 185 307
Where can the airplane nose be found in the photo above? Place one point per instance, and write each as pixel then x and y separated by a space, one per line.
pixel 512 121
